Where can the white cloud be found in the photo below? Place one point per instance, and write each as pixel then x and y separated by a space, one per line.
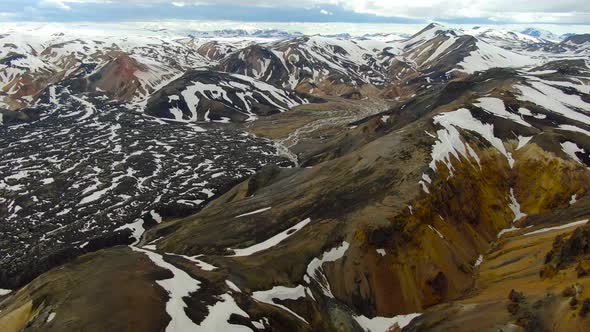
pixel 61 4
pixel 178 4
pixel 499 10
pixel 4 15
pixel 325 12
pixel 503 10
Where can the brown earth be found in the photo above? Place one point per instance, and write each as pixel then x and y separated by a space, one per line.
pixel 110 289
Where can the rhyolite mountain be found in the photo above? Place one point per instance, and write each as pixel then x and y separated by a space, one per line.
pixel 206 95
pixel 431 183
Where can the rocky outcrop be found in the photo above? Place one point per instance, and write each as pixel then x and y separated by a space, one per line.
pixel 567 252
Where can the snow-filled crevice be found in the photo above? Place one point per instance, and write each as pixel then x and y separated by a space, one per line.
pixel 314 274
pixel 271 242
pixel 516 210
pixel 182 285
pixel 179 286
pixel 449 142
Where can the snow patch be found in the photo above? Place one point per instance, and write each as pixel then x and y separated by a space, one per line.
pixel 554 100
pixel 496 107
pixel 254 212
pixel 179 286
pixel 574 129
pixel 478 261
pixel 136 228
pixel 522 141
pixel 219 314
pixel 515 207
pixel 518 214
pixel 549 229
pixel 571 148
pixel 233 286
pixel 273 241
pixel 436 232
pixel 486 56
pixel 281 293
pixel 156 216
pixel 449 139
pixel 201 264
pixel 315 271
pixel 383 324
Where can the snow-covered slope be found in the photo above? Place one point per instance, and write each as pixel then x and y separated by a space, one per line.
pixel 206 95
pixel 133 66
pixel 507 39
pixel 32 60
pixel 306 63
pixel 541 34
pixel 578 44
pixel 440 53
pixel 486 56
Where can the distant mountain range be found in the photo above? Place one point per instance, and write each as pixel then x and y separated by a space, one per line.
pixel 270 33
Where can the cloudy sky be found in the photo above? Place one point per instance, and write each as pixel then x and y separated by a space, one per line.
pixel 359 11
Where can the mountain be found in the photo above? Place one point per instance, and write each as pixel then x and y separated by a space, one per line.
pixel 126 67
pixel 510 40
pixel 317 65
pixel 386 37
pixel 207 95
pixel 579 44
pixel 432 183
pixel 234 33
pixel 215 50
pixel 436 45
pixel 439 54
pixel 542 34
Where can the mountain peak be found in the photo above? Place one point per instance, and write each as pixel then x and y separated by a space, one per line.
pixel 434 25
pixel 540 33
